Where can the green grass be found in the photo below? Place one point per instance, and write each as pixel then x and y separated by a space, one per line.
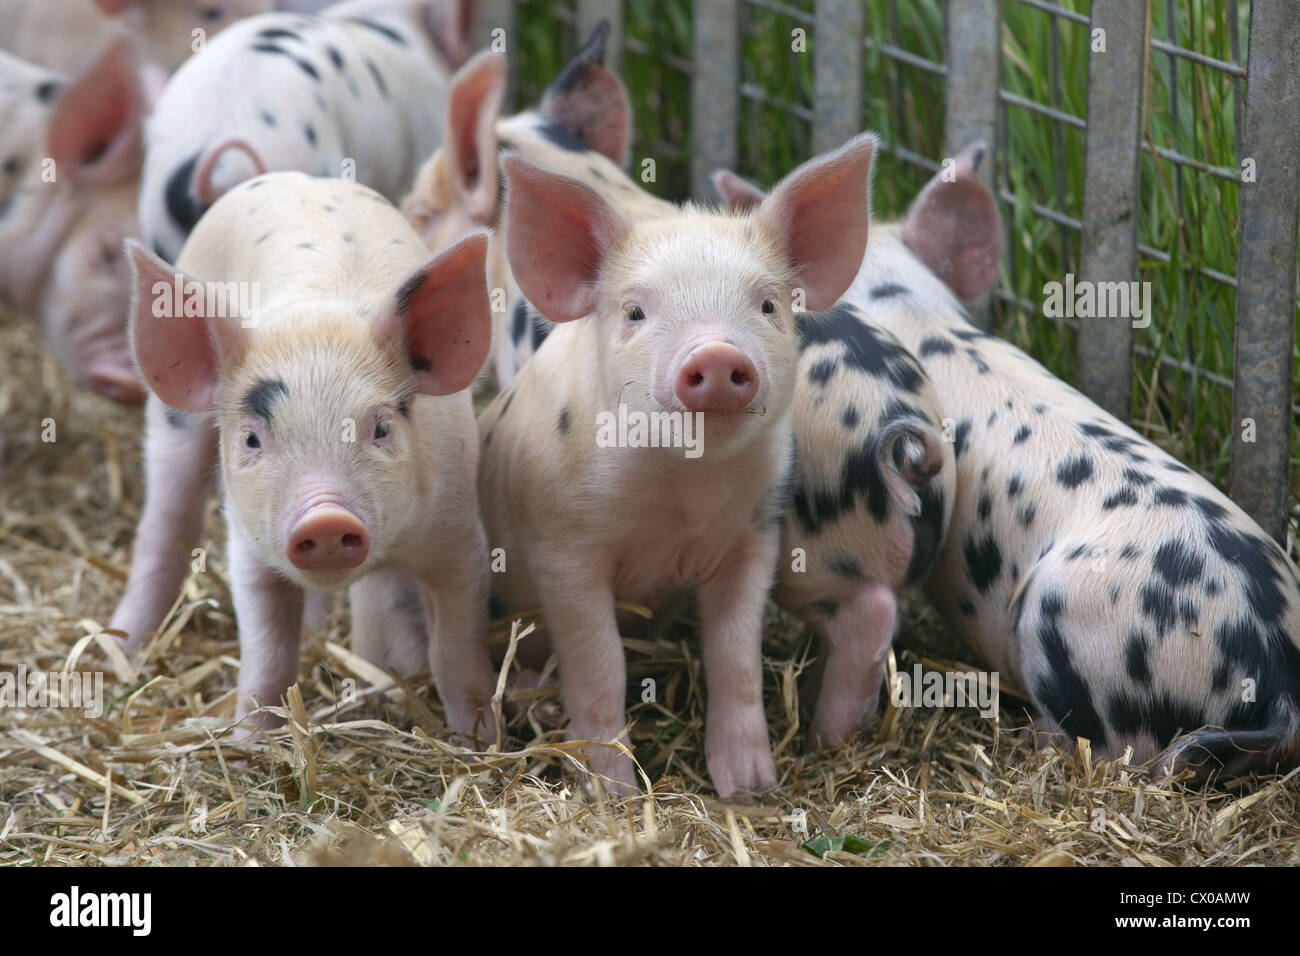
pixel 1040 162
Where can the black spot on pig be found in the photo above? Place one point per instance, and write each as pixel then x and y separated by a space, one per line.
pixel 874 353
pixel 1074 471
pixel 1040 408
pixel 993 416
pixel 1210 508
pixel 1188 612
pixel 557 134
pixel 306 245
pixel 541 329
pixel 335 57
pixel 927 533
pixel 1026 515
pixel 182 208
pixel 177 419
pixel 378 78
pixel 1062 692
pixel 519 322
pixel 46 91
pixel 846 566
pixel 278 33
pixel 888 290
pixel 1178 467
pixel 935 346
pixel 850 417
pixel 1173 497
pixel 1161 715
pixel 1124 497
pixel 1139 478
pixel 965 606
pixel 1136 657
pixel 959 442
pixel 258 399
pixel 1022 435
pixel 268 119
pixel 310 132
pixel 985 506
pixel 1253 558
pixel 971 335
pixel 980 365
pixel 566 421
pixel 821 371
pixel 262 238
pixel 299 62
pixel 1015 485
pixel 1177 564
pixel 408 290
pixel 983 561
pixel 1130 552
pixel 1157 603
pixel 392 35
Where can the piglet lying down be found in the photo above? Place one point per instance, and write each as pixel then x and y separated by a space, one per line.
pixel 1135 602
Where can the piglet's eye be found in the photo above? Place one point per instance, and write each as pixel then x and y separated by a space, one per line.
pixel 768 306
pixel 635 314
pixel 381 430
pixel 252 441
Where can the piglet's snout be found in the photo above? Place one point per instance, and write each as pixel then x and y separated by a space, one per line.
pixel 716 377
pixel 328 537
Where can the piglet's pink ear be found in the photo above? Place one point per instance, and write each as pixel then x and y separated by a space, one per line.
pixel 953 226
pixel 443 318
pixel 450 26
pixel 470 146
pixel 95 130
pixel 589 101
pixel 180 349
pixel 738 195
pixel 819 215
pixel 558 230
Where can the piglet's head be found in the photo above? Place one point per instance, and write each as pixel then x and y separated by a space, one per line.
pixel 695 311
pixel 94 141
pixel 320 435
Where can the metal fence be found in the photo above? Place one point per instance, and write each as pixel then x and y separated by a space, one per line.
pixel 716 95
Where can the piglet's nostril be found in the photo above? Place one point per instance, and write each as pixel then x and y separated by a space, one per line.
pixel 302 547
pixel 740 377
pixel 352 541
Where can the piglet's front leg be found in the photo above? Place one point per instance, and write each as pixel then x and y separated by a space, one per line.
pixel 456 601
pixel 731 635
pixel 579 613
pixel 268 611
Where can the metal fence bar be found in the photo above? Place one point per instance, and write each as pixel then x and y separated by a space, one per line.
pixel 974 52
pixel 1266 266
pixel 590 13
pixel 837 72
pixel 1116 82
pixel 715 91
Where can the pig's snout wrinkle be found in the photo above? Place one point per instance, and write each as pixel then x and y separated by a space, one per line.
pixel 716 377
pixel 328 538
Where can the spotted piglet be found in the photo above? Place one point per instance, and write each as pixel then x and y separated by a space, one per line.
pixel 580 129
pixel 362 84
pixel 1134 602
pixel 69 172
pixel 337 408
pixel 686 319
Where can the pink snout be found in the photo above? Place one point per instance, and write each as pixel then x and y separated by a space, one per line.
pixel 328 538
pixel 716 377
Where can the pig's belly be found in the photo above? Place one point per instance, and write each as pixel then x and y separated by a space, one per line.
pixel 656 569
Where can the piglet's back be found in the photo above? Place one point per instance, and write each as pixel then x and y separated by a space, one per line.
pixel 304 239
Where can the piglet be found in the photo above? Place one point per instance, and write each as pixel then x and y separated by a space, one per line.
pixel 356 92
pixel 69 172
pixel 335 400
pixel 684 324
